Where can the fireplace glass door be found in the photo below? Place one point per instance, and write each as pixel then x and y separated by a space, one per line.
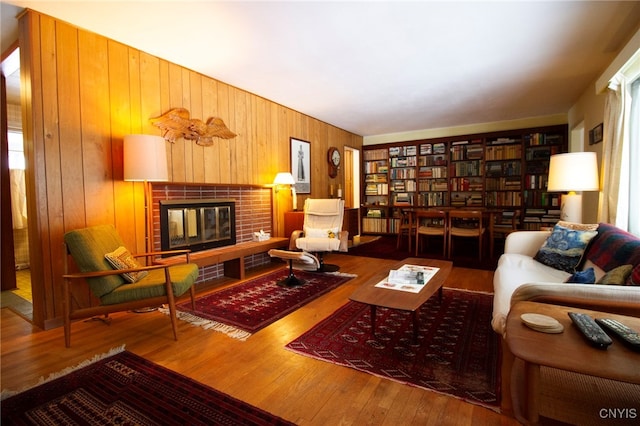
pixel 197 227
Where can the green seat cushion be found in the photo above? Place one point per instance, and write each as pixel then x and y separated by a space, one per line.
pixel 88 247
pixel 182 277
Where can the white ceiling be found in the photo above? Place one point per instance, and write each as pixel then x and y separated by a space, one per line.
pixel 378 67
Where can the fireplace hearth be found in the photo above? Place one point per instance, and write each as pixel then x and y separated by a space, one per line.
pixel 197 224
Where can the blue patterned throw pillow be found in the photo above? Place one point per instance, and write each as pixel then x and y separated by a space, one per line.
pixel 564 248
pixel 588 276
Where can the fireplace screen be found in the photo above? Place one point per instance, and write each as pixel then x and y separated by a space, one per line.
pixel 197 224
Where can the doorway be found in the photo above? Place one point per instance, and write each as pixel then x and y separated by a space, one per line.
pixel 352 180
pixel 16 295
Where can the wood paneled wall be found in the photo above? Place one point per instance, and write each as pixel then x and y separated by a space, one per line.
pixel 82 93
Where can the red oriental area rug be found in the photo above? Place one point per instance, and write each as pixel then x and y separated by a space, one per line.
pixel 243 309
pixel 456 353
pixel 125 389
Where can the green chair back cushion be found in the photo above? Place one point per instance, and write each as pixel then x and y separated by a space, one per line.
pixel 88 247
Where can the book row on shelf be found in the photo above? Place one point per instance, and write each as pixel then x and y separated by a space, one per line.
pixel 508 152
pixel 494 170
pixel 433 172
pixel 503 184
pixel 433 185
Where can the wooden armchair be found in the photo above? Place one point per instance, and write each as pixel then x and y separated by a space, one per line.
pixel 152 285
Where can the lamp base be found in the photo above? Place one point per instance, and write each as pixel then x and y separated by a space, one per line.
pixel 571 208
pixel 294 198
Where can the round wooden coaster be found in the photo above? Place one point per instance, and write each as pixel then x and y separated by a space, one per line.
pixel 542 323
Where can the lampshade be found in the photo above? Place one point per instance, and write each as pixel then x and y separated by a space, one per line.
pixel 573 171
pixel 145 158
pixel 284 178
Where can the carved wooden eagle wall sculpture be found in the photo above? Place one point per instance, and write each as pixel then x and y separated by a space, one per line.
pixel 176 123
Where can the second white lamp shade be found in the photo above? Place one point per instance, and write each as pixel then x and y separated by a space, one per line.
pixel 571 172
pixel 145 158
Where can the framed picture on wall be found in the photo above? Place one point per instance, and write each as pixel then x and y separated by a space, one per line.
pixel 301 165
pixel 595 134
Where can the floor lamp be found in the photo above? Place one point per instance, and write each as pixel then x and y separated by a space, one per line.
pixel 571 172
pixel 145 160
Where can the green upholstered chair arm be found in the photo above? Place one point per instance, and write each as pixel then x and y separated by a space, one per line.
pixel 78 275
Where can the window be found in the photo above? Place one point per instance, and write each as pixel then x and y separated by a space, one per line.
pixel 634 159
pixel 16 151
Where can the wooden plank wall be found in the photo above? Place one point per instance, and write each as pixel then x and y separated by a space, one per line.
pixel 83 93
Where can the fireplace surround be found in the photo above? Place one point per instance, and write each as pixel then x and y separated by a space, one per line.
pixel 254 211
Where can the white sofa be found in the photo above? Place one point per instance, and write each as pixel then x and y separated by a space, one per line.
pixel 519 277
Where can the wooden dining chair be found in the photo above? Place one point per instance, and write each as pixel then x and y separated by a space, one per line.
pixel 466 224
pixel 431 223
pixel 503 224
pixel 406 227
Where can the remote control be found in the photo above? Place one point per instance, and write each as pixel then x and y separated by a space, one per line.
pixel 590 330
pixel 629 337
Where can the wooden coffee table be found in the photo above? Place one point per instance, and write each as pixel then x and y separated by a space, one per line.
pixel 565 351
pixel 374 296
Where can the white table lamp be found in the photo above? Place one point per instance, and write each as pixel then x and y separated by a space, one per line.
pixel 285 178
pixel 571 172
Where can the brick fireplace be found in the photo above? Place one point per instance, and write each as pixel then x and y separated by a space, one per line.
pixel 253 212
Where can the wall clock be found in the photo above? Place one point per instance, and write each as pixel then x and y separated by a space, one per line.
pixel 333 157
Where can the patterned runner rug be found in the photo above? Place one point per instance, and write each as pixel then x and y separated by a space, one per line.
pixel 243 309
pixel 125 389
pixel 456 353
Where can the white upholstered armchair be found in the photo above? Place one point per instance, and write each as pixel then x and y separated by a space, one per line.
pixel 322 230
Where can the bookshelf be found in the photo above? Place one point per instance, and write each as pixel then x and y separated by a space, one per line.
pixel 505 170
pixel 466 183
pixel 433 175
pixel 402 177
pixel 375 170
pixel 542 208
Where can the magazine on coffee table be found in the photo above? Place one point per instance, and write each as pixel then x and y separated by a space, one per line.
pixel 410 278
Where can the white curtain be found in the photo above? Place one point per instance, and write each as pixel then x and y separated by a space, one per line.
pixel 18 198
pixel 613 208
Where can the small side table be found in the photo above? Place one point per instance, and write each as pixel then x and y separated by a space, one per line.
pixel 565 351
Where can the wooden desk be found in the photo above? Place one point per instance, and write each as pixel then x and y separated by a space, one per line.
pixel 565 351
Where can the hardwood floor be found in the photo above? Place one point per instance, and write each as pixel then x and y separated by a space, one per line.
pixel 260 370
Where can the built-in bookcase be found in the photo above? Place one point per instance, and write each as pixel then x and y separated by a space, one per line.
pixel 466 183
pixel 375 168
pixel 542 207
pixel 503 170
pixel 433 175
